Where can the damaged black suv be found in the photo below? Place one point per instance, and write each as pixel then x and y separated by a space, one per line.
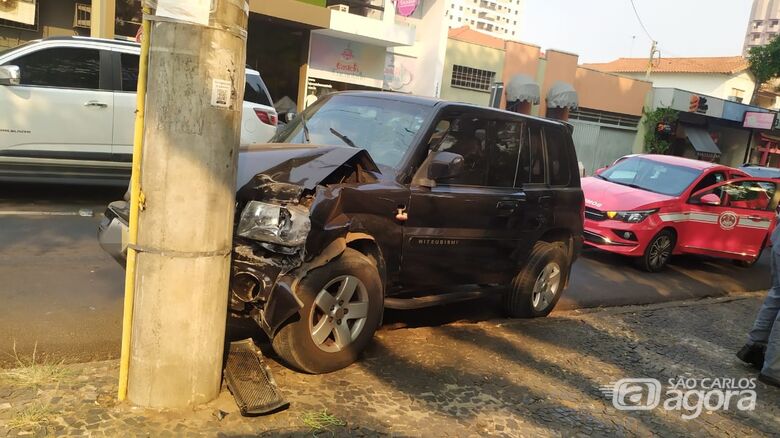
pixel 370 200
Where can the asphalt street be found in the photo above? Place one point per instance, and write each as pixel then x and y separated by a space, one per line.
pixel 61 293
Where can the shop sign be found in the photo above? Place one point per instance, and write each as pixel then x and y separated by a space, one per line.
pixel 759 120
pixel 697 103
pixel 399 73
pixel 406 7
pixel 346 59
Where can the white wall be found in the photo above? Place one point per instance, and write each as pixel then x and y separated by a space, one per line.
pixel 716 85
pixel 429 48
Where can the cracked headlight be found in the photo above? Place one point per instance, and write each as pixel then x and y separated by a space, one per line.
pixel 282 225
pixel 631 217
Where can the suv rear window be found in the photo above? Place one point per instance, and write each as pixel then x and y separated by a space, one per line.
pixel 256 91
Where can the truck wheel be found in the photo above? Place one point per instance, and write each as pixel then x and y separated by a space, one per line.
pixel 658 252
pixel 538 286
pixel 342 308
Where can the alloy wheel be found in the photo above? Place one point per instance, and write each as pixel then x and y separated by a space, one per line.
pixel 339 313
pixel 660 251
pixel 546 287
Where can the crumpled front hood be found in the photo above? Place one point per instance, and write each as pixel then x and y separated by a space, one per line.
pixel 604 195
pixel 303 165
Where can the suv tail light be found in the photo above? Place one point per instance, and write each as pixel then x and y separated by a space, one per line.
pixel 266 117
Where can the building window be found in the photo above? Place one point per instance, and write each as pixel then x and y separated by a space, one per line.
pixel 774 23
pixel 757 24
pixel 737 95
pixel 472 78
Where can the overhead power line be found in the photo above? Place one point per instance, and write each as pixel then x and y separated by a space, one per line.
pixel 641 23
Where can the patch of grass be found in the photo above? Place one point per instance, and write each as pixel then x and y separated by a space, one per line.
pixel 321 421
pixel 33 372
pixel 31 418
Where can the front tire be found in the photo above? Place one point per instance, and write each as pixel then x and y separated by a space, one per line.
pixel 342 308
pixel 538 286
pixel 658 252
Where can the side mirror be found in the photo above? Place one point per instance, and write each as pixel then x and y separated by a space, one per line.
pixel 710 199
pixel 289 116
pixel 445 165
pixel 10 75
pixel 600 171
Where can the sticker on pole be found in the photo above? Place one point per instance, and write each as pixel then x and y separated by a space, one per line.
pixel 220 93
pixel 193 11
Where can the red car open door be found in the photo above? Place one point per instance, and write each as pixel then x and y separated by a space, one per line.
pixel 731 219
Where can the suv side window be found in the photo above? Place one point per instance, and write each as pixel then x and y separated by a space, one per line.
pixel 62 67
pixel 558 156
pixel 504 145
pixel 129 72
pixel 531 169
pixel 467 136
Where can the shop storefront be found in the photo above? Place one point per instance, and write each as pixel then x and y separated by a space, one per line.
pixel 713 129
pixel 337 64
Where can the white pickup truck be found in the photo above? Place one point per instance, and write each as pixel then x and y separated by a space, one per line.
pixel 67 110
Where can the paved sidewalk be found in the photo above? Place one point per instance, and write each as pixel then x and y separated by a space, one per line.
pixel 498 377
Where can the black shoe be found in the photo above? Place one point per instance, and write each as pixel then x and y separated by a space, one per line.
pixel 752 354
pixel 771 381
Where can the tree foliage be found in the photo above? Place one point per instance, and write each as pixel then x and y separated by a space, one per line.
pixel 656 143
pixel 765 62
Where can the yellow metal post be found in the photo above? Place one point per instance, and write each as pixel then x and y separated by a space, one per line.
pixel 135 198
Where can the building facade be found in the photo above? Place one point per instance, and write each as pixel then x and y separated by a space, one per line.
pixel 764 24
pixel 498 18
pixel 605 109
pixel 726 78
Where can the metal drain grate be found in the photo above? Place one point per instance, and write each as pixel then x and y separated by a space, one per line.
pixel 249 380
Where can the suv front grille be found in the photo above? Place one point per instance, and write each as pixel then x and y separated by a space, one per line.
pixel 595 215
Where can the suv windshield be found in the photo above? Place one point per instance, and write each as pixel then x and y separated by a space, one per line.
pixel 650 175
pixel 255 90
pixel 383 127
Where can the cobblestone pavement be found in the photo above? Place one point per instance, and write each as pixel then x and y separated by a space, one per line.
pixel 498 377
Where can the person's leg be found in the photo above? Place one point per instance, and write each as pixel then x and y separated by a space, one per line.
pixel 762 327
pixel 758 337
pixel 770 374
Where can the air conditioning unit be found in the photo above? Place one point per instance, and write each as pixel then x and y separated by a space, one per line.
pixel 735 99
pixel 20 11
pixel 340 8
pixel 82 17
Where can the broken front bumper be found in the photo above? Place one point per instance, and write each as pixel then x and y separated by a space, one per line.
pixel 113 231
pixel 260 285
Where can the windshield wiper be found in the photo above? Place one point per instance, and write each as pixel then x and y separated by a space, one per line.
pixel 305 129
pixel 343 138
pixel 601 177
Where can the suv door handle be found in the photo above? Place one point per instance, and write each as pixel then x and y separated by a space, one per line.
pixel 508 205
pixel 96 104
pixel 545 200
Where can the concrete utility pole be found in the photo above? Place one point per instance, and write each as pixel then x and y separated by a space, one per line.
pixel 191 138
pixel 653 51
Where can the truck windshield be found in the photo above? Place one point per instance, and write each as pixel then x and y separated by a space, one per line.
pixel 650 175
pixel 385 128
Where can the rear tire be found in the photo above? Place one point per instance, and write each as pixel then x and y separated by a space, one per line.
pixel 658 252
pixel 342 307
pixel 538 286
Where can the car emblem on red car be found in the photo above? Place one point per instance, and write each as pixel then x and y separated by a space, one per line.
pixel 728 220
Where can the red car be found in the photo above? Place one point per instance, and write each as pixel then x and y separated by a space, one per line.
pixel 653 206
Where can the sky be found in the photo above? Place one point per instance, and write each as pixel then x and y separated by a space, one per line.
pixel 604 30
